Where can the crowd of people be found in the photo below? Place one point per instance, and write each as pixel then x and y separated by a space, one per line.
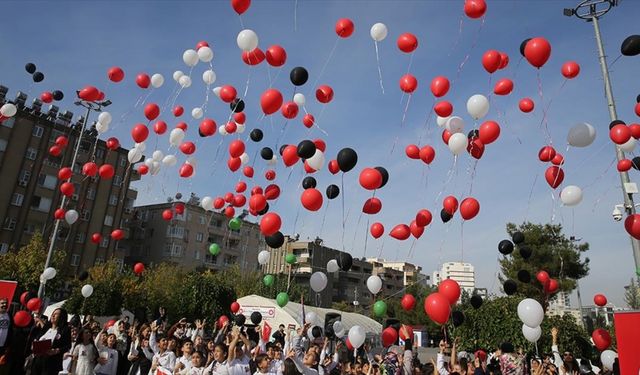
pixel 86 347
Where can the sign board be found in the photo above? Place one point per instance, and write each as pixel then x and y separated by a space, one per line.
pixel 627 326
pixel 267 312
pixel 8 289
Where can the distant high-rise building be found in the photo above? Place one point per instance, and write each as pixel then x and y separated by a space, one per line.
pixel 411 272
pixel 463 273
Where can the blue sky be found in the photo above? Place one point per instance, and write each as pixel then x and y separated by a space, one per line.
pixel 74 43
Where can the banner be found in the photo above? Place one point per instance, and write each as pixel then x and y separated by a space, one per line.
pixel 627 326
pixel 7 289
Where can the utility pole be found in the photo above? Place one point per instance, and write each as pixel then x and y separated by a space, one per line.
pixel 591 11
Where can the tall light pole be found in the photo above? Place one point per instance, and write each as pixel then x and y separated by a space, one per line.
pixel 90 106
pixel 591 11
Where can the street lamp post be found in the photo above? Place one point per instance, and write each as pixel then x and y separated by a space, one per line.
pixel 591 11
pixel 90 106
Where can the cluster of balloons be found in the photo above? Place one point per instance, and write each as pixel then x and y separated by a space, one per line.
pixel 531 314
pixel 469 208
pixel 60 143
pixel 438 305
pixel 35 74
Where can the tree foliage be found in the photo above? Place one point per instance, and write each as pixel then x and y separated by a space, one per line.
pixel 107 298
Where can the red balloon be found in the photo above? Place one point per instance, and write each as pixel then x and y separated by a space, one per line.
pixel 231 127
pixel 202 43
pixel 408 302
pixel 240 6
pixel 439 86
pixel 59 214
pixel 427 154
pixel 546 154
pixel 187 148
pixel 400 232
pixel 570 69
pixel 167 215
pixel 113 143
pixel 636 109
pixel 372 206
pixel 415 229
pixel 620 134
pixel 34 304
pixel 234 164
pixel 276 55
pixel 46 97
pixel 377 230
pixel 469 208
pixel 100 96
pixel 503 87
pixel 624 165
pixel 308 120
pixel 229 212
pixel 23 298
pixel 437 307
pixel 504 60
pixel 407 42
pixel 554 176
pixel 450 204
pixel 139 133
pixel 324 94
pixel 180 208
pixel 272 192
pixel 257 202
pixel 333 166
pixel 254 57
pixel 308 168
pixel 551 286
pixel 22 319
pixel 526 105
pixel 67 189
pixel 239 200
pixel 600 300
pixel 632 225
pixel 235 307
pixel 475 148
pixel 475 8
pixel 558 159
pixel 271 101
pixel 543 277
pixel 248 171
pixel 207 127
pixel 255 190
pixel 138 268
pixel 236 148
pixel 117 234
pixel 408 83
pixel 241 187
pixel 491 61
pixel 182 125
pixel 443 108
pixel 90 169
pixel 62 141
pixel 537 51
pixel 635 130
pixel 270 175
pixel 178 111
pixel 186 170
pixel 55 150
pixel 160 127
pixel 489 131
pixel 270 223
pixel 389 336
pixel 115 74
pixel 450 289
pixel 228 93
pixel 311 199
pixel 96 238
pixel 218 203
pixel 412 151
pixel 64 173
pixel 143 80
pixel 601 339
pixel 344 27
pixel 289 110
pixel 228 197
pixel 239 118
pixel 320 145
pixel 349 345
pixel 89 93
pixel 370 178
pixel 424 217
pixel 290 155
pixel 151 111
pixel 445 136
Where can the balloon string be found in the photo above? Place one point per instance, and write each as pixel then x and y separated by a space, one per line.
pixel 615 61
pixel 462 241
pixel 393 146
pixel 602 196
pixel 473 45
pixel 215 158
pixel 324 217
pixel 406 108
pixel 613 161
pixel 455 44
pixel 544 113
pixel 526 213
pixel 355 231
pixel 241 23
pixel 324 67
pixel 295 16
pixel 379 69
pixel 553 206
pixel 473 175
pixel 427 122
pixel 411 250
pixel 343 217
pixel 381 247
pixel 246 86
pixel 366 238
pixel 450 174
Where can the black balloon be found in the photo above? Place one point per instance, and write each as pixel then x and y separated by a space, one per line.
pixel 256 317
pixel 201 133
pixel 385 175
pixel 631 46
pixel 445 216
pixel 505 247
pixel 333 191
pixel 275 240
pixel 476 301
pixel 266 153
pixel 83 276
pixel 510 287
pixel 240 320
pixel 616 122
pixel 345 261
pixel 58 95
pixel 299 76
pixel 237 105
pixel 30 68
pixel 457 318
pixel 347 159
pixel 264 210
pixel 638 99
pixel 309 182
pixel 525 252
pixel 256 135
pixel 306 149
pixel 524 276
pixel 635 163
pixel 316 332
pixel 523 45
pixel 178 195
pixel 518 238
pixel 38 77
pixel 282 149
pixel 475 133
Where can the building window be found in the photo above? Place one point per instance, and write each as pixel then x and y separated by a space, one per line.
pixel 47 181
pixel 31 153
pixel 173 250
pixel 85 215
pixel 29 228
pixel 10 223
pixel 104 242
pixel 108 220
pixel 174 231
pixel 40 203
pixel 99 260
pixel 25 176
pixel 123 161
pixel 202 220
pixel 196 254
pixel 4 248
pixel 37 131
pixel 117 180
pixel 52 161
pixel 75 260
pixel 113 199
pixel 199 237
pixel 229 260
pixel 80 237
pixel 54 135
pixel 3 145
pixel 9 122
pixel 100 153
pixel 91 194
pixel 17 199
pixel 210 259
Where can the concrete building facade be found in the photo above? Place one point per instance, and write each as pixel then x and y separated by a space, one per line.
pixel 463 273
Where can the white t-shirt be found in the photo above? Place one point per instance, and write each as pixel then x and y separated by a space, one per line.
pixel 166 360
pixel 186 361
pixel 217 368
pixel 49 335
pixel 111 367
pixel 239 366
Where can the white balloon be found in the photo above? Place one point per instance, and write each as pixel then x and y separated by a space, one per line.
pixel 317 160
pixel 197 113
pixel 478 106
pixel 141 146
pixel 357 336
pixel 169 160
pixel 455 124
pixel 205 54
pixel 332 266
pixel 222 130
pixel 247 40
pixel 374 284
pixel 71 216
pixel 157 155
pixel 458 143
pixel 263 257
pixel 207 203
pixel 608 357
pixel 442 121
pixel 338 328
pixel 318 281
pixel 240 128
pixel 102 128
pixel 530 312
pixel 628 146
pixel 191 160
pixel 149 162
pixel 531 334
pixel 105 118
pixel 190 57
pixel 209 76
pixel 571 195
pixel 176 136
pixel 49 273
pixel 581 135
pixel 156 168
pixel 244 158
pixel 273 161
pixel 157 80
pixel 185 81
pixel 177 74
pixel 379 31
pixel 311 317
pixel 216 91
pixel 299 99
pixel 8 110
pixel 134 155
pixel 87 291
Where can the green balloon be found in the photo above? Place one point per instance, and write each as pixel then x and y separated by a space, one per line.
pixel 214 249
pixel 379 308
pixel 268 280
pixel 290 258
pixel 235 223
pixel 282 299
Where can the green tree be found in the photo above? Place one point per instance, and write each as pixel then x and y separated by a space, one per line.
pixel 26 265
pixel 107 298
pixel 632 294
pixel 201 294
pixel 552 252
